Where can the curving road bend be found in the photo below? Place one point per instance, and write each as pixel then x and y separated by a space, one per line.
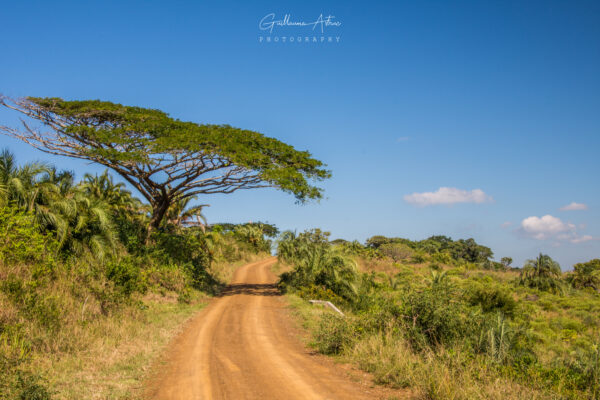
pixel 243 346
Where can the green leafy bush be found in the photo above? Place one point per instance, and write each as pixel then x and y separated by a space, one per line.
pixel 22 242
pixel 491 299
pixel 126 275
pixel 432 317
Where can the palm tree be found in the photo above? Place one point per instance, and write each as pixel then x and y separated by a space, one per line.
pixel 542 273
pixel 179 214
pixel 18 184
pixel 252 235
pixel 114 194
pixel 317 263
pixel 286 246
pixel 82 223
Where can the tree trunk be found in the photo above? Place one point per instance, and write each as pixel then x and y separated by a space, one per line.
pixel 159 210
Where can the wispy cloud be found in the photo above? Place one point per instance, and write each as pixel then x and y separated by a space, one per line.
pixel 505 224
pixel 448 195
pixel 403 139
pixel 581 239
pixel 574 207
pixel 550 227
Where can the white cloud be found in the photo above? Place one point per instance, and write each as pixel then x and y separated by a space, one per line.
pixel 447 195
pixel 574 207
pixel 545 227
pixel 505 224
pixel 403 139
pixel 549 227
pixel 581 239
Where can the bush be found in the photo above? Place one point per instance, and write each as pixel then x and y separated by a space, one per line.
pixel 189 252
pixel 586 275
pixel 433 317
pixel 22 242
pixel 314 292
pixel 126 275
pixel 334 334
pixel 491 299
pixel 31 387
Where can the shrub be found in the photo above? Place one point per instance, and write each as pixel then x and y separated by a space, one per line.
pixel 442 258
pixel 31 387
pixel 22 242
pixel 314 292
pixel 586 275
pixel 126 275
pixel 334 334
pixel 491 299
pixel 433 317
pixel 418 258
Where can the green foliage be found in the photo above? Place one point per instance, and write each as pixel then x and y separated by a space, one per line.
pixel 254 236
pixel 22 242
pixel 269 230
pixel 491 298
pixel 377 241
pixel 506 261
pixel 396 251
pixel 441 249
pixel 542 273
pixel 126 275
pixel 469 251
pixel 586 275
pixel 431 317
pixel 317 263
pixel 320 293
pixel 438 277
pixel 80 221
pixel 188 251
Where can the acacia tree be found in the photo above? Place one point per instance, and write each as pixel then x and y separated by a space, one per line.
pixel 165 159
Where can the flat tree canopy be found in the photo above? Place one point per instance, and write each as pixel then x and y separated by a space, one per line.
pixel 163 158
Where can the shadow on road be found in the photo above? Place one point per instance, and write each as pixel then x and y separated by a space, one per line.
pixel 257 289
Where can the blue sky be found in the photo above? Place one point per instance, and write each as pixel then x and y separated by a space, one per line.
pixel 503 97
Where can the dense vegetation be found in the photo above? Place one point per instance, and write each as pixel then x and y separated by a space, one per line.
pixel 72 262
pixel 442 318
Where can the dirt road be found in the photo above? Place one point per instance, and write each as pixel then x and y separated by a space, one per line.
pixel 245 346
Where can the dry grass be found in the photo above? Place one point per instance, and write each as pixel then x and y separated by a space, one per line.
pixel 115 352
pixel 95 352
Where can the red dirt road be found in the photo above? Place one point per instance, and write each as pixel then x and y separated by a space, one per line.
pixel 244 346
